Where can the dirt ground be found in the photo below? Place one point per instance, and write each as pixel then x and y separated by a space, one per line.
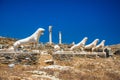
pixel 80 69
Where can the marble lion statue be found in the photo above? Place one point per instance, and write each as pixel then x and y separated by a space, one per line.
pixel 91 45
pixel 34 38
pixel 100 46
pixel 80 45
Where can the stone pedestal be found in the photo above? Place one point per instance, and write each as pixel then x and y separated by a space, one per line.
pixel 68 55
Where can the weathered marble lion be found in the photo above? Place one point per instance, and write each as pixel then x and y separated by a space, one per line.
pixel 34 38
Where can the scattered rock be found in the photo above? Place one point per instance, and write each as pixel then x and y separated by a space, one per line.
pixel 35 51
pixel 44 52
pixel 38 72
pixel 11 65
pixel 50 62
pixel 58 67
pixel 42 74
pixel 56 47
pixel 117 52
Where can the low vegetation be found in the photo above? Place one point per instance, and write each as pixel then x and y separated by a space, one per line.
pixel 80 68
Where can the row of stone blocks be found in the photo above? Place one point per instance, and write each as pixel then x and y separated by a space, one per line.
pixel 68 55
pixel 30 58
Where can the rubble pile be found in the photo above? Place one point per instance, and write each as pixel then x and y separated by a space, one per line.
pixel 6 58
pixel 19 58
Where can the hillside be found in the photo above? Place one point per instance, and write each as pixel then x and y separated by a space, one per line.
pixel 117 46
pixel 75 69
pixel 9 42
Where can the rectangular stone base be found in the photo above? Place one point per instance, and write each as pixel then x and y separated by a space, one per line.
pixel 68 55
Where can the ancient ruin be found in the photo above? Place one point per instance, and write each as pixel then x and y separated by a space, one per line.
pixel 50 34
pixel 30 47
pixel 80 45
pixel 34 38
pixel 44 61
pixel 91 45
pixel 100 46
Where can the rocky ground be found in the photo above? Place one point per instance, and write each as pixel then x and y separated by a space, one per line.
pixel 76 69
pixel 43 67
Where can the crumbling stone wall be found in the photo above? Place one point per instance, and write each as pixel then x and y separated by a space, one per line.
pixel 19 58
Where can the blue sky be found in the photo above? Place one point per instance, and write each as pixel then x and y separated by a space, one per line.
pixel 76 19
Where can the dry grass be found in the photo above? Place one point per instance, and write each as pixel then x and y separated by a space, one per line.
pixel 83 69
pixel 94 69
